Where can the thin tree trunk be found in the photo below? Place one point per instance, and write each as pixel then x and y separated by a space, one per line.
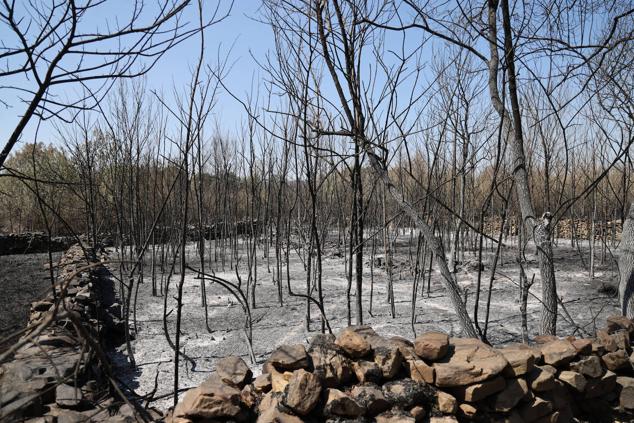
pixel 513 127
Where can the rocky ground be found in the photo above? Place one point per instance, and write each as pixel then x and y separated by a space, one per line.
pixel 23 279
pixel 586 307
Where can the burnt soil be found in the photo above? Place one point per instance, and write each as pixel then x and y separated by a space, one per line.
pixel 23 279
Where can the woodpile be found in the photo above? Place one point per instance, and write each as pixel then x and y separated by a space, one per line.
pixel 360 376
pixel 563 229
pixel 210 232
pixel 583 229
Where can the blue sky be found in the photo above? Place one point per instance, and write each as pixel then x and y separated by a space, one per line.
pixel 239 32
pixel 240 36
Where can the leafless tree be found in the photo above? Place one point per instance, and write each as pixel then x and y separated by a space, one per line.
pixel 54 45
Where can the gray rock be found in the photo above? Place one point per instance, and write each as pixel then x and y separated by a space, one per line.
pixel 626 398
pixel 68 396
pixel 71 416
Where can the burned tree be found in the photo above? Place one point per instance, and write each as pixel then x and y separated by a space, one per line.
pixel 626 266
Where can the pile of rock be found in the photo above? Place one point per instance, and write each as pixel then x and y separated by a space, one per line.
pixel 360 376
pixel 56 375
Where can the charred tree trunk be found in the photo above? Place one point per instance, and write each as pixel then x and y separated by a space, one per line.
pixel 626 266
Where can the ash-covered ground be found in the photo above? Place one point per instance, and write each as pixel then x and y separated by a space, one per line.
pixel 586 306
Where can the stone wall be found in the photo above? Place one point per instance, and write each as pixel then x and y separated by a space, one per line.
pixel 33 242
pixel 360 376
pixel 57 371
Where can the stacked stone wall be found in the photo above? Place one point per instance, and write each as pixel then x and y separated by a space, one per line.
pixel 360 376
pixel 29 243
pixel 57 371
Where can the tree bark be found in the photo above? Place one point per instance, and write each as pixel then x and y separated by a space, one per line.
pixel 626 266
pixel 540 231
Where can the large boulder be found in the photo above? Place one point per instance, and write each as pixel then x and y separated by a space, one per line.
pixel 574 380
pixel 616 323
pixel 481 390
pixel 290 357
pixel 273 415
pixel 279 380
pixel 589 366
pixel 446 403
pixel 262 383
pixel 421 371
pixel 406 347
pixel 583 346
pixel 302 392
pixel 340 404
pixel 467 411
pixel 616 360
pixel 249 396
pixel 353 343
pixel 540 379
pixel 419 413
pixel 521 360
pixel 406 393
pixel 558 352
pixel 535 350
pixel 605 339
pixel 72 416
pixel 544 339
pixel 626 397
pixel 233 370
pixel 515 391
pixel 389 360
pixel 330 364
pixel 68 396
pixel 469 361
pixel 533 410
pixel 432 346
pixel 622 340
pixel 211 400
pixel 367 371
pixel 373 338
pixel 270 400
pixel 371 398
